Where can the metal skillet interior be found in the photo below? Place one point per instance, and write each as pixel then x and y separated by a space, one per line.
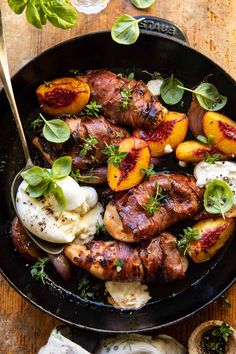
pixel 170 302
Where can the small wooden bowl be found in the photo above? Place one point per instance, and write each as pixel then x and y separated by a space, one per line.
pixel 194 341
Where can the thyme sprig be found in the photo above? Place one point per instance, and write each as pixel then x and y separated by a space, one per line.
pixel 153 203
pixel 88 145
pixel 148 171
pixel 38 269
pixel 114 156
pixel 189 234
pixel 126 98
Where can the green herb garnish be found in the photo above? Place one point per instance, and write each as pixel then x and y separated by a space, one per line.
pixel 212 158
pixel 218 198
pixel 78 177
pixel 114 156
pixel 59 12
pixel 142 4
pixel 125 30
pixel 149 171
pixel 41 182
pixel 170 91
pixel 119 264
pixel 92 109
pixel 188 236
pixel 126 98
pixel 37 124
pixel 153 203
pixel 100 228
pixel 129 76
pixel 88 145
pixel 90 289
pixel 55 130
pixel 206 140
pixel 207 96
pixel 38 269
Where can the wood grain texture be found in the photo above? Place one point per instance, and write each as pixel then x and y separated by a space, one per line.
pixel 211 28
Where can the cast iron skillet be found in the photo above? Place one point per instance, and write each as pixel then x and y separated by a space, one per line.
pixel 161 47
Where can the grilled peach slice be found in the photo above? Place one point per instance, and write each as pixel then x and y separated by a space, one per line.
pixel 129 173
pixel 223 129
pixel 167 136
pixel 194 151
pixel 66 95
pixel 213 235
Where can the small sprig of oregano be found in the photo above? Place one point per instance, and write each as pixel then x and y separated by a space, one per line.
pixel 55 130
pixel 153 203
pixel 38 269
pixel 37 124
pixel 189 234
pixel 92 109
pixel 218 198
pixel 59 12
pixel 90 289
pixel 224 331
pixel 212 158
pixel 89 144
pixel 41 181
pixel 126 98
pixel 148 171
pixel 125 30
pixel 119 265
pixel 114 156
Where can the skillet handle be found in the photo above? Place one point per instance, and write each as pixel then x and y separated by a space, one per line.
pixel 160 25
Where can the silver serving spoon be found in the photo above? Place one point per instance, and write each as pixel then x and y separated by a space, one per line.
pixel 48 247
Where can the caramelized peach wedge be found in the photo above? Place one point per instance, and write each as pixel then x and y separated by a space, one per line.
pixel 193 151
pixel 222 129
pixel 167 136
pixel 66 95
pixel 214 234
pixel 129 172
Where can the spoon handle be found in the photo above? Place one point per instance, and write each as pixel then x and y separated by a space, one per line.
pixel 6 80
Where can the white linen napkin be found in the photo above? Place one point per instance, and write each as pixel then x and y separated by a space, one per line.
pixel 60 342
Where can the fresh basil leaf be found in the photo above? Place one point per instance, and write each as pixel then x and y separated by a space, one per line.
pixel 202 139
pixel 55 130
pixel 59 195
pixel 170 92
pixel 218 197
pixel 209 97
pixel 34 175
pixel 125 30
pixel 60 13
pixel 142 4
pixel 17 6
pixel 33 16
pixel 61 167
pixel 39 190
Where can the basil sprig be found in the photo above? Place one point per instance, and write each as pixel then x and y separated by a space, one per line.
pixel 59 12
pixel 142 4
pixel 218 198
pixel 41 181
pixel 125 30
pixel 208 96
pixel 170 91
pixel 55 130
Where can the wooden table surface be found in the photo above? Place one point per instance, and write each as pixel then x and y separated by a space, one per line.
pixel 211 28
